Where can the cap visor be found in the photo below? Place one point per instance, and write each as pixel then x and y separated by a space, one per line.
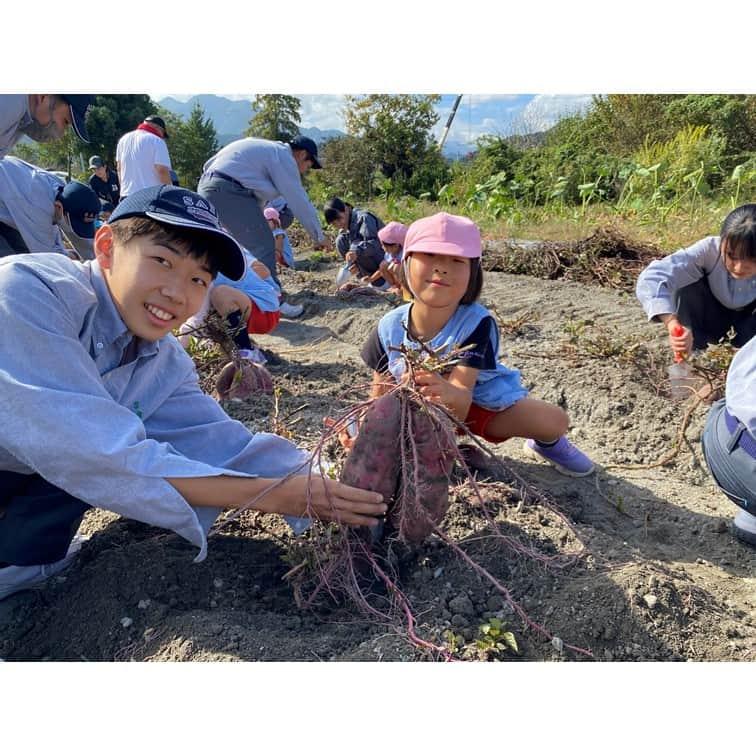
pixel 233 265
pixel 315 162
pixel 79 125
pixel 82 229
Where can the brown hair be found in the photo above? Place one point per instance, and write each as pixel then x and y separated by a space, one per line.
pixel 199 244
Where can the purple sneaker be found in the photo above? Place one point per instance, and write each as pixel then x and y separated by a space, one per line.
pixel 564 455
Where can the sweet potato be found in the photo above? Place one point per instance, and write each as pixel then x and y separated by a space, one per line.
pixel 243 382
pixel 426 466
pixel 373 463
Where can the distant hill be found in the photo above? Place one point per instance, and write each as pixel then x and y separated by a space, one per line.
pixel 231 117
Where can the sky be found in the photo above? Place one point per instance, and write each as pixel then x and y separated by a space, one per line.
pixel 477 114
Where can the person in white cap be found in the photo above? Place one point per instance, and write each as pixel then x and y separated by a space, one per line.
pixel 42 117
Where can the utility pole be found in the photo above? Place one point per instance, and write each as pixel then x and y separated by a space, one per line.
pixel 449 122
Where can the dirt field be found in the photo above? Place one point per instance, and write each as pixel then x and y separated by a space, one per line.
pixel 660 577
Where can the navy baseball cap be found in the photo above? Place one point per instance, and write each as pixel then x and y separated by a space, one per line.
pixel 80 105
pixel 175 206
pixel 158 121
pixel 82 206
pixel 305 143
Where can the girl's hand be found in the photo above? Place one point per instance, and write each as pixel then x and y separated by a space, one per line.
pixel 331 500
pixel 681 343
pixel 432 386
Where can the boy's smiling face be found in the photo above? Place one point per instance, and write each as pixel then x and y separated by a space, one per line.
pixel 155 287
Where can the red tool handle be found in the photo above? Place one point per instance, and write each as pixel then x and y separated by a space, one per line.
pixel 678 330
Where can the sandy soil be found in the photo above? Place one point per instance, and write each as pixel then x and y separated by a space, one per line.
pixel 660 576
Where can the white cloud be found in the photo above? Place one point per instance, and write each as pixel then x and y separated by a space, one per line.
pixel 322 111
pixel 543 111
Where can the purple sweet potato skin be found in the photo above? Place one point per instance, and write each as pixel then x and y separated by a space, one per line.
pixel 424 498
pixel 255 379
pixel 373 463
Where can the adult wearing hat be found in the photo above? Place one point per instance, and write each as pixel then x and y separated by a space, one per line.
pixel 35 206
pixel 104 181
pixel 142 156
pixel 42 117
pixel 248 173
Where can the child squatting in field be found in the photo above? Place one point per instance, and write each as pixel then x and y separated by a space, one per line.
pixel 101 405
pixel 442 271
pixel 700 292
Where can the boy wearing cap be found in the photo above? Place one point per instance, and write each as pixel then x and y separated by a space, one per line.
pixel 142 156
pixel 104 181
pixel 102 407
pixel 35 206
pixel 245 175
pixel 42 117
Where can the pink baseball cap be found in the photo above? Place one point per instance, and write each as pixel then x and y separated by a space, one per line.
pixel 393 233
pixel 271 213
pixel 444 234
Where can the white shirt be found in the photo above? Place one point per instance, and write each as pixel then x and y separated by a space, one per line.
pixel 138 153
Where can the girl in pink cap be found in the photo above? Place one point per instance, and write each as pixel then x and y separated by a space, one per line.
pixel 442 270
pixel 391 237
pixel 284 252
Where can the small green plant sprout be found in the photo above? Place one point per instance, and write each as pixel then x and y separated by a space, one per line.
pixel 493 641
pixel 454 642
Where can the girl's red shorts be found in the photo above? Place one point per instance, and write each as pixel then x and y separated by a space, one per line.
pixel 477 421
pixel 261 322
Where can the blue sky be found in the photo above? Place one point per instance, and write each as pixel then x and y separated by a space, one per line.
pixel 478 114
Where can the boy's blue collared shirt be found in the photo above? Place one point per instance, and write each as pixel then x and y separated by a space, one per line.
pixel 109 430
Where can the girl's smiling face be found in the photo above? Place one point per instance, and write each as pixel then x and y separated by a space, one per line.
pixel 438 281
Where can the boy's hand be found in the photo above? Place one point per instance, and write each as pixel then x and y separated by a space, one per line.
pixel 681 343
pixel 331 500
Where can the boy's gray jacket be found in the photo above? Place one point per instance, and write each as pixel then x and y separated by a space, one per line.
pixel 105 432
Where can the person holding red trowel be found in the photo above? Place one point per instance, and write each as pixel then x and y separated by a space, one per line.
pixel 703 291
